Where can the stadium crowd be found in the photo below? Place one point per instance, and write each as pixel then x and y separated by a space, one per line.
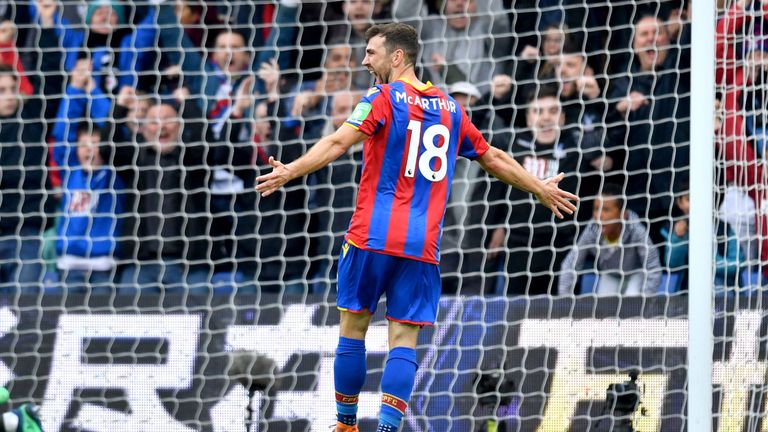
pixel 132 133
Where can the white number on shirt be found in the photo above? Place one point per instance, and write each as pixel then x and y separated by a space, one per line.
pixel 431 151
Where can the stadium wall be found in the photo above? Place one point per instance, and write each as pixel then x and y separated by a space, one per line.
pixel 166 362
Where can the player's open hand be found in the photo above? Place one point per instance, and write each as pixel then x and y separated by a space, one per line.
pixel 273 181
pixel 556 199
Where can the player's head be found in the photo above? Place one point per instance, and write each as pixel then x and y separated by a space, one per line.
pixel 608 209
pixel 391 47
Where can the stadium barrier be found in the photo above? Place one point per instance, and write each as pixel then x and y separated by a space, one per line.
pixel 217 363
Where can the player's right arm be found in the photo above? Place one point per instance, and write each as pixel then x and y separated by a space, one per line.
pixel 370 114
pixel 325 151
pixel 502 166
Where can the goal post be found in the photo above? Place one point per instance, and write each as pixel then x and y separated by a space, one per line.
pixel 197 305
pixel 701 287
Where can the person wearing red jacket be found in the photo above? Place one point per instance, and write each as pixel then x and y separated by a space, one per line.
pixel 733 76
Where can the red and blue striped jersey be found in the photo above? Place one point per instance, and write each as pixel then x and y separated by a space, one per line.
pixel 414 138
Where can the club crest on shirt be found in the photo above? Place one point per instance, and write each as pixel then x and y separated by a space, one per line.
pixel 82 202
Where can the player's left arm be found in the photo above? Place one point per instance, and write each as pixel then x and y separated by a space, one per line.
pixel 505 168
pixel 325 151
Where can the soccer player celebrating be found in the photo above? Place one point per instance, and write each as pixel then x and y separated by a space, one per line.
pixel 413 134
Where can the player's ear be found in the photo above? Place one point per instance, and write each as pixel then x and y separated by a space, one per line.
pixel 398 56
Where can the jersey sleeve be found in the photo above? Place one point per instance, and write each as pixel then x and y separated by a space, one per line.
pixel 472 145
pixel 371 112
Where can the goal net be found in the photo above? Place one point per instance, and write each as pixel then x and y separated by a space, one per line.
pixel 146 286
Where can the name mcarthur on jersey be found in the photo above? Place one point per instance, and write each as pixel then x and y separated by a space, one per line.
pixel 426 102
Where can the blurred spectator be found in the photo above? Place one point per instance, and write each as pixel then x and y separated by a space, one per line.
pixel 121 54
pixel 535 242
pixel 83 100
pixel 738 211
pixel 585 21
pixel 741 171
pixel 198 21
pixel 596 129
pixel 312 106
pixel 269 28
pixel 728 255
pixel 232 152
pixel 343 22
pixel 616 246
pixel 465 93
pixel 742 31
pixel 678 19
pixel 165 167
pixel 228 68
pixel 136 104
pixel 654 100
pixel 359 16
pixel 534 67
pixel 182 40
pixel 332 197
pixel 465 176
pixel 92 205
pixel 22 183
pixel 462 42
pixel 10 56
pixel 234 158
pixel 620 18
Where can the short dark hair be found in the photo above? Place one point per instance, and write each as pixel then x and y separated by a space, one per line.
pixel 542 92
pixel 614 192
pixel 8 70
pixel 681 187
pixel 572 48
pixel 90 128
pixel 397 36
pixel 646 13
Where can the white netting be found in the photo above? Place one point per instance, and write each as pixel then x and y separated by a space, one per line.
pixel 147 287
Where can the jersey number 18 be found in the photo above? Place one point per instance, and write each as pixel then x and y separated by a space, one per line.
pixel 431 151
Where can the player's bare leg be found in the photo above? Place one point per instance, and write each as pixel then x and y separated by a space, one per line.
pixel 403 335
pixel 354 325
pixel 349 368
pixel 399 375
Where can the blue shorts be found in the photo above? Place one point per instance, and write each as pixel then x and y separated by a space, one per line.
pixel 412 287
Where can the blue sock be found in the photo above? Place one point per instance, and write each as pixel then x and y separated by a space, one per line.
pixel 386 428
pixel 396 386
pixel 348 377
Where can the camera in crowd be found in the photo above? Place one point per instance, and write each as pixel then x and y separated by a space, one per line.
pixel 621 402
pixel 494 390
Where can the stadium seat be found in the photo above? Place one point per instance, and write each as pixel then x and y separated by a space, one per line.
pixel 588 283
pixel 670 283
pixel 750 280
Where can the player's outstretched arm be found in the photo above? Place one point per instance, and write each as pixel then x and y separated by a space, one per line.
pixel 325 151
pixel 502 166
